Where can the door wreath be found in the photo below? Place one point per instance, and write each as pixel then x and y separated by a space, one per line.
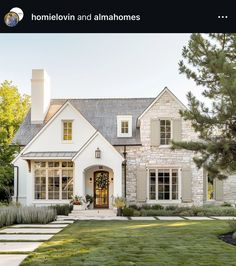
pixel 102 180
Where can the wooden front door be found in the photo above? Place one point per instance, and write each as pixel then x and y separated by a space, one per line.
pixel 101 189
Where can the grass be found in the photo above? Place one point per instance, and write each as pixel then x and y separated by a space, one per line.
pixel 137 243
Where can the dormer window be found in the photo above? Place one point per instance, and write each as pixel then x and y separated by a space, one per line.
pixel 124 126
pixel 67 130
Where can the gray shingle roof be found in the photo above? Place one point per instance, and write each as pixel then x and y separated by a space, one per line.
pixel 101 113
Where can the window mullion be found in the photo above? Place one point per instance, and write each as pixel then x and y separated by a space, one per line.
pixel 46 181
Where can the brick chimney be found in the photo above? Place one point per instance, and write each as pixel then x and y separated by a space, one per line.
pixel 40 95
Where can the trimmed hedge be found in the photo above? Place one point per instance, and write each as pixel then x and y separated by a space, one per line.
pixel 180 211
pixel 64 209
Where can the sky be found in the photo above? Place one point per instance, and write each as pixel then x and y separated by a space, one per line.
pixel 97 65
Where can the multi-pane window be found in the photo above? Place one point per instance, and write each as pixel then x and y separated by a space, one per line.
pixel 40 184
pixel 152 184
pixel 67 184
pixel 124 127
pixel 210 188
pixel 163 184
pixel 53 184
pixel 53 180
pixel 165 132
pixel 67 130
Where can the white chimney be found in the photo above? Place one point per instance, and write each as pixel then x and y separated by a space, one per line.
pixel 40 95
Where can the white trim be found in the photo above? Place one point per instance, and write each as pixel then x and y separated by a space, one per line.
pixel 119 120
pixel 62 131
pixel 157 201
pixel 67 103
pixel 156 99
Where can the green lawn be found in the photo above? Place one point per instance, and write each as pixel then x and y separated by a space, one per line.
pixel 137 243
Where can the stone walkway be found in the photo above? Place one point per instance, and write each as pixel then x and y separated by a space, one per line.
pixel 25 238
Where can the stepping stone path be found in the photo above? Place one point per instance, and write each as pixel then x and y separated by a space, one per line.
pixel 25 238
pixel 170 218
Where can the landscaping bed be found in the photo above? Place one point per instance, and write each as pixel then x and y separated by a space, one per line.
pixel 228 238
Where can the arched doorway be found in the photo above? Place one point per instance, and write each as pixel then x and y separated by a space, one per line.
pixel 99 183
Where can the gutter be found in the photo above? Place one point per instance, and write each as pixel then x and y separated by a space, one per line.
pixel 125 165
pixel 17 181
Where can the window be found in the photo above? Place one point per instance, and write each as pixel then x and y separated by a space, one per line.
pixel 163 184
pixel 124 126
pixel 53 180
pixel 210 188
pixel 53 184
pixel 67 130
pixel 165 134
pixel 40 184
pixel 67 184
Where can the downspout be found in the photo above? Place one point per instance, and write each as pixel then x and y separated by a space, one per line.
pixel 17 182
pixel 124 165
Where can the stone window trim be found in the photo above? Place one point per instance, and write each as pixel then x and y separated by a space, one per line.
pixel 50 166
pixel 156 168
pixel 67 131
pixel 124 126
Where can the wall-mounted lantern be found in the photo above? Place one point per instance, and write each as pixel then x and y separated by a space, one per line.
pixel 98 153
pixel 90 180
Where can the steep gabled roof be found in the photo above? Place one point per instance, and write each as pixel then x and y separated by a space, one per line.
pixel 101 113
pixel 156 99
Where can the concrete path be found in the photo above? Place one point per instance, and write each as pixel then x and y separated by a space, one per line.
pixel 170 218
pixel 63 222
pixel 26 237
pixel 19 246
pixel 33 236
pixel 30 231
pixel 39 225
pixel 11 260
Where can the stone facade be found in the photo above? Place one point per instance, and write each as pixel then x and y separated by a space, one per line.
pixel 147 156
pixel 230 189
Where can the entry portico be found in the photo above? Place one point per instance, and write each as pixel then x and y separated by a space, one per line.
pixel 87 165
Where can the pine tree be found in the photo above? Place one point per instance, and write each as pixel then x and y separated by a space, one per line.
pixel 210 60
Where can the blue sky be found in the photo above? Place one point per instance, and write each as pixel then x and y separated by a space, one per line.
pixel 97 65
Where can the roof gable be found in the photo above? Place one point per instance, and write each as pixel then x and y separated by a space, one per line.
pixel 165 90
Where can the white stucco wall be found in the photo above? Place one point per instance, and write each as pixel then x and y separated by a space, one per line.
pixel 51 138
pixel 109 158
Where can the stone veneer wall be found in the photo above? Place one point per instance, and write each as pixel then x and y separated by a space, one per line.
pixel 166 106
pixel 230 189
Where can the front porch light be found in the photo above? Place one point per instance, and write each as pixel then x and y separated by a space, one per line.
pixel 98 153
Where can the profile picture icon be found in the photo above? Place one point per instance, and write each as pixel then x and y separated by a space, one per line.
pixel 13 17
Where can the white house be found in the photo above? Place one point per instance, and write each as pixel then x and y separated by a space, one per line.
pixel 108 148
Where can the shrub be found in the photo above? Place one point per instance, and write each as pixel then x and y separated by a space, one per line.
pixel 12 215
pixel 232 225
pixel 157 207
pixel 128 212
pixel 155 213
pixel 226 204
pixel 171 208
pixel 137 213
pixel 135 207
pixel 64 209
